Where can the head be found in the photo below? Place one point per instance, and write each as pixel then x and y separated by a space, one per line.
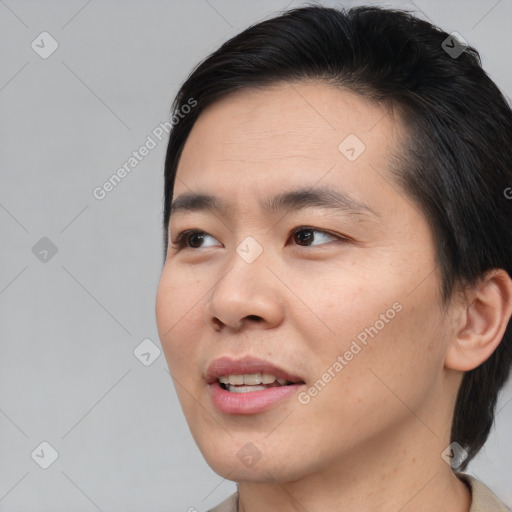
pixel 410 273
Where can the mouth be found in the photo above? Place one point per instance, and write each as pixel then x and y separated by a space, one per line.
pixel 248 372
pixel 249 385
pixel 251 382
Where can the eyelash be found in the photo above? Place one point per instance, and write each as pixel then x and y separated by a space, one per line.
pixel 181 240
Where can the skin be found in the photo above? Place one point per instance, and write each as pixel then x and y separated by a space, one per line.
pixel 372 438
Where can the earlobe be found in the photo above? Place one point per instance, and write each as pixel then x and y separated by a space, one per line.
pixel 482 324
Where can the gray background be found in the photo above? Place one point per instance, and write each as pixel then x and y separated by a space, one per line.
pixel 69 324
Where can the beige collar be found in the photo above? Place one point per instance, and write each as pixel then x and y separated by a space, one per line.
pixel 483 499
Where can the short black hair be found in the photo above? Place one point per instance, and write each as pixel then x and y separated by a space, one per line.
pixel 455 160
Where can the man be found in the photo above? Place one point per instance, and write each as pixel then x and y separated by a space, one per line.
pixel 336 297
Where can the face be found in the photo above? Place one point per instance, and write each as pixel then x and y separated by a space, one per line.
pixel 340 300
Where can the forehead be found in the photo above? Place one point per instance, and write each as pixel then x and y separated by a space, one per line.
pixel 262 140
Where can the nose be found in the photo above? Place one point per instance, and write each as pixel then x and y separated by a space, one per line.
pixel 246 295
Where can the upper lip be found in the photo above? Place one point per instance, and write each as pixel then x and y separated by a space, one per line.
pixel 228 366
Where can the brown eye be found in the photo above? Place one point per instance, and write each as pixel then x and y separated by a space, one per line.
pixel 306 236
pixel 195 239
pixel 191 239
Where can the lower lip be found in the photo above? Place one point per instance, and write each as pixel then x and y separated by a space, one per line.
pixel 252 402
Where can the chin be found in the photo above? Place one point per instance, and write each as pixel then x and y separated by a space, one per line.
pixel 249 465
pixel 261 472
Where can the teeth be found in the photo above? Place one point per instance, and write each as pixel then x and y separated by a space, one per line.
pixel 236 379
pixel 245 389
pixel 266 378
pixel 250 379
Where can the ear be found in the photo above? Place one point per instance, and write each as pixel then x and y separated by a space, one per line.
pixel 481 321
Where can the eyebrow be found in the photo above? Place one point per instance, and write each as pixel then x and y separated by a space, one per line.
pixel 294 200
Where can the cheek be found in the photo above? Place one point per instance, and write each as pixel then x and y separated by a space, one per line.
pixel 341 305
pixel 177 311
pixel 383 366
pixel 370 338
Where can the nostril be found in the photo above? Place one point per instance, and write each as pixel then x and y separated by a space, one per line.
pixel 256 318
pixel 217 324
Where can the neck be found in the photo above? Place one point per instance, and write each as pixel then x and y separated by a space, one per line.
pixel 387 475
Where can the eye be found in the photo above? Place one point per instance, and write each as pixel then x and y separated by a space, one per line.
pixel 303 236
pixel 191 239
